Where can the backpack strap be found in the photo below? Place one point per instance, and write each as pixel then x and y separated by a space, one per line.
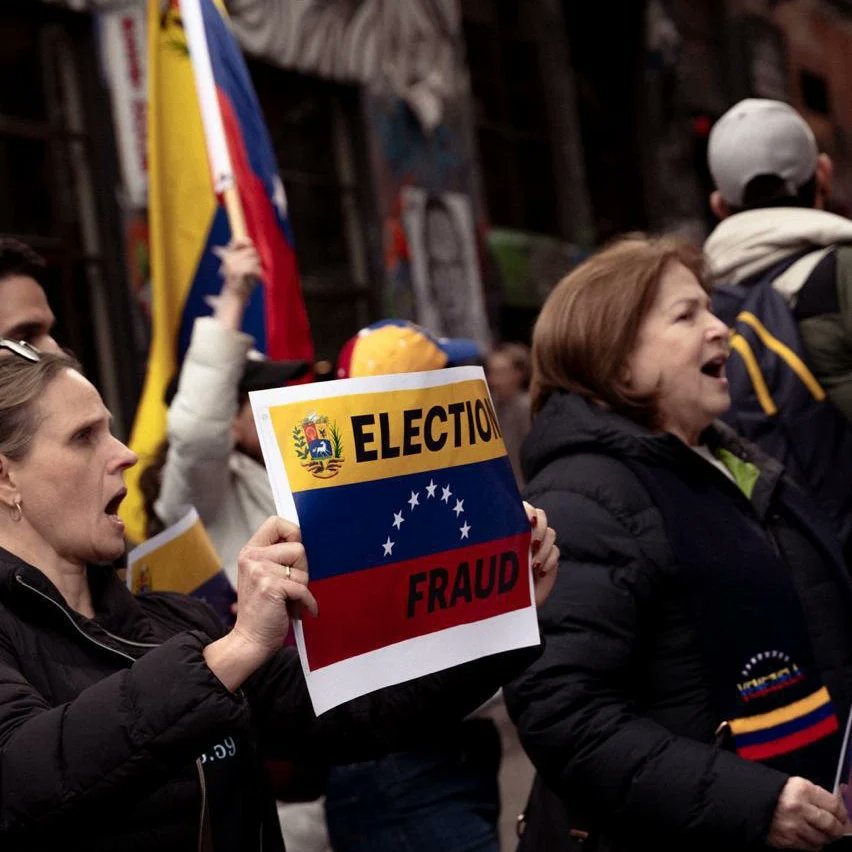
pixel 778 398
pixel 727 298
pixel 791 280
pixel 781 349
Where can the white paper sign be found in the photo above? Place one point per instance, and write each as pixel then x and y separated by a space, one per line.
pixel 417 540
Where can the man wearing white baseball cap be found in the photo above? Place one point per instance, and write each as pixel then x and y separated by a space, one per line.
pixel 776 238
pixel 761 153
pixel 772 184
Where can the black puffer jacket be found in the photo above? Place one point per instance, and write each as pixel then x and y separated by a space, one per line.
pixel 114 732
pixel 617 713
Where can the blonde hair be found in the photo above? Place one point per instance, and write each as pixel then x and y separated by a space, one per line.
pixel 589 323
pixel 22 383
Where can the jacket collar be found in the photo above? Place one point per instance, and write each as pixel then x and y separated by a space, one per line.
pixel 569 424
pixel 749 242
pixel 23 587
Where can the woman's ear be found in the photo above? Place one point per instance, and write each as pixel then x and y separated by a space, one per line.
pixel 8 486
pixel 718 205
pixel 824 179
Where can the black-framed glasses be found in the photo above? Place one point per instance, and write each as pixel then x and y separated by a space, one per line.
pixel 21 348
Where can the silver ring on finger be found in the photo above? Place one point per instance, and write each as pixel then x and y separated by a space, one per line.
pixel 287 571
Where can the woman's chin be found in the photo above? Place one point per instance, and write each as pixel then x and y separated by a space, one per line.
pixel 108 550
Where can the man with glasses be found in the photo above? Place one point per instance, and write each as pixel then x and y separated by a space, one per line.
pixel 24 311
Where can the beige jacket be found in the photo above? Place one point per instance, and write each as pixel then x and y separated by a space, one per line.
pixel 229 489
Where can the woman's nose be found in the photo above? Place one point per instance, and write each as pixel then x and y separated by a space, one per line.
pixel 716 328
pixel 124 456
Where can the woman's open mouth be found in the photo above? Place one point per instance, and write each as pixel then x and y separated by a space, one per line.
pixel 112 507
pixel 715 367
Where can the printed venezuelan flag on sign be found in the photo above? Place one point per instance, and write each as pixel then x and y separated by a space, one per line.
pixel 187 219
pixel 182 558
pixel 417 540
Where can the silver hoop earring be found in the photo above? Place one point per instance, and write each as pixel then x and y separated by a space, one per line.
pixel 16 512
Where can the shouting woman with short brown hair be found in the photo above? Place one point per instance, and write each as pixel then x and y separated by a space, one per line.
pixel 697 671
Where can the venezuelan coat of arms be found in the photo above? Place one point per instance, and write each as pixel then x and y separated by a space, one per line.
pixel 318 446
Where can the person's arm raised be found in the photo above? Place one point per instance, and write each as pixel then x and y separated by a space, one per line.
pixel 241 271
pixel 201 415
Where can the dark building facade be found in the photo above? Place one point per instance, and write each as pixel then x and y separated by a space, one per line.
pixel 504 137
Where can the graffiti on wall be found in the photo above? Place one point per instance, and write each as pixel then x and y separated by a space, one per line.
pixel 407 56
pixel 444 266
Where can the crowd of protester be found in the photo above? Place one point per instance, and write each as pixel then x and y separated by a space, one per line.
pixel 694 678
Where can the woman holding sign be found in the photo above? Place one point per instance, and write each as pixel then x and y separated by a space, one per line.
pixel 215 463
pixel 137 723
pixel 697 673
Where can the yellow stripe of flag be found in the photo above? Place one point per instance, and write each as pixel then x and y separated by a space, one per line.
pixel 181 207
pixel 782 714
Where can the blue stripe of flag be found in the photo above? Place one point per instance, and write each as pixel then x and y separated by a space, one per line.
pixel 207 282
pixel 357 520
pixel 231 75
pixel 785 728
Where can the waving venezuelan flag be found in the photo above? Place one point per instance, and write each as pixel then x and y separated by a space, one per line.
pixel 187 218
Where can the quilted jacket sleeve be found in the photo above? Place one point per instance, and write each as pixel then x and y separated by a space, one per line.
pixel 133 727
pixel 576 706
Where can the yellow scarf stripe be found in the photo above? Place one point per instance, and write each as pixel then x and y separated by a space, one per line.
pixel 740 345
pixel 782 714
pixel 796 364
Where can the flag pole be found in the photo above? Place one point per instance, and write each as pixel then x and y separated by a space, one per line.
pixel 224 180
pixel 234 210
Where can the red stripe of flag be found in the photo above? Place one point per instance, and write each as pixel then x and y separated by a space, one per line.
pixel 288 333
pixel 791 742
pixel 366 610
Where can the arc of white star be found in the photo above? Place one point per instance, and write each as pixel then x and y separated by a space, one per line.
pixel 430 488
pixel 446 494
pixel 459 507
pixel 464 530
pixel 397 519
pixel 279 196
pixel 388 546
pixel 415 499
